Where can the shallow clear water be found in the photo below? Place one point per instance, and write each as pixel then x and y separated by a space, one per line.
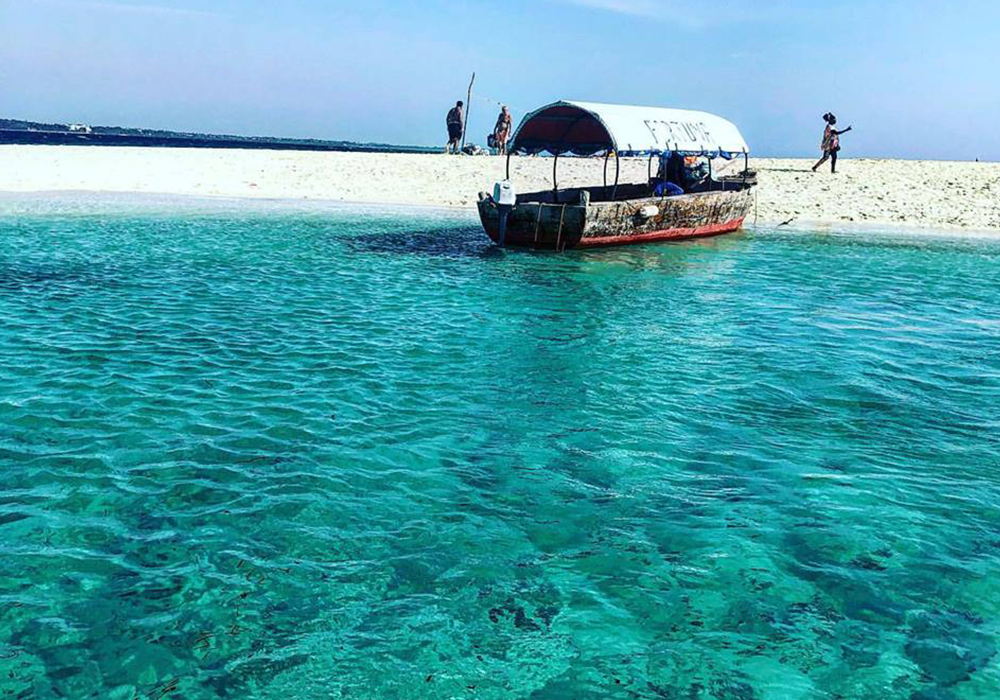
pixel 356 454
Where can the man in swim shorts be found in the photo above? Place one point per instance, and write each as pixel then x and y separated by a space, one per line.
pixel 456 126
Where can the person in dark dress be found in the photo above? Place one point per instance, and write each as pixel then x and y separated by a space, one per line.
pixel 831 142
pixel 456 127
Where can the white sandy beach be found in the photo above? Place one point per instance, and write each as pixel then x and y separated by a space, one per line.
pixel 931 194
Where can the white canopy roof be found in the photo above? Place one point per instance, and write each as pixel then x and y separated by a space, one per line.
pixel 586 128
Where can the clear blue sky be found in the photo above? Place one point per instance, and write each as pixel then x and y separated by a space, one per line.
pixel 916 78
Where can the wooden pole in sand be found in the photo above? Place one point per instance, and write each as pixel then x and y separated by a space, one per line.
pixel 468 109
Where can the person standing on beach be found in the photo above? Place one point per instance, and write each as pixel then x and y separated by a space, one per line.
pixel 831 142
pixel 501 132
pixel 456 127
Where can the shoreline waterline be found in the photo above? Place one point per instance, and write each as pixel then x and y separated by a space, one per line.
pixel 94 202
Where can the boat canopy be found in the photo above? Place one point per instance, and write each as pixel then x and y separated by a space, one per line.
pixel 588 128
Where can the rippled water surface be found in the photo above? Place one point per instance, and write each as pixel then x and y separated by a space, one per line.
pixel 263 453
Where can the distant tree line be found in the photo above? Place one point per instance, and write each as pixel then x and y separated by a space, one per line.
pixel 14 125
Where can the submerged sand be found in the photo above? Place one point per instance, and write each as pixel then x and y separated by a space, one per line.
pixel 932 194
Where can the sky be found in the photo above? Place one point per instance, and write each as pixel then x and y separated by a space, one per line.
pixel 915 78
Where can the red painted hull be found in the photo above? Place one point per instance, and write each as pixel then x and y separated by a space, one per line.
pixel 670 234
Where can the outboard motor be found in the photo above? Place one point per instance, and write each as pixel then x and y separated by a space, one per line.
pixel 504 197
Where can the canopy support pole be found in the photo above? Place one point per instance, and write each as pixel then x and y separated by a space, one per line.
pixel 614 192
pixel 538 220
pixel 649 167
pixel 607 154
pixel 555 185
pixel 508 165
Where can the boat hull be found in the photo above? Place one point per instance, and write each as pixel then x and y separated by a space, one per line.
pixel 583 224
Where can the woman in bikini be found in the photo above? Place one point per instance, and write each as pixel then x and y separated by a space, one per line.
pixel 831 142
pixel 501 132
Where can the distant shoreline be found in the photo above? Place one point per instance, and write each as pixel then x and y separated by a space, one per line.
pixel 24 137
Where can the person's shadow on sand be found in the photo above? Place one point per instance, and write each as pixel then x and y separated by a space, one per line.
pixel 783 170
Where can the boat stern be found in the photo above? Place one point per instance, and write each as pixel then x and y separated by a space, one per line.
pixel 489 215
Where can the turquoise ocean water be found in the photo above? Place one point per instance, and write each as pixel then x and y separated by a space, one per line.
pixel 249 451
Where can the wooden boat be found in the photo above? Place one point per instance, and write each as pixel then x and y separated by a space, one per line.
pixel 619 214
